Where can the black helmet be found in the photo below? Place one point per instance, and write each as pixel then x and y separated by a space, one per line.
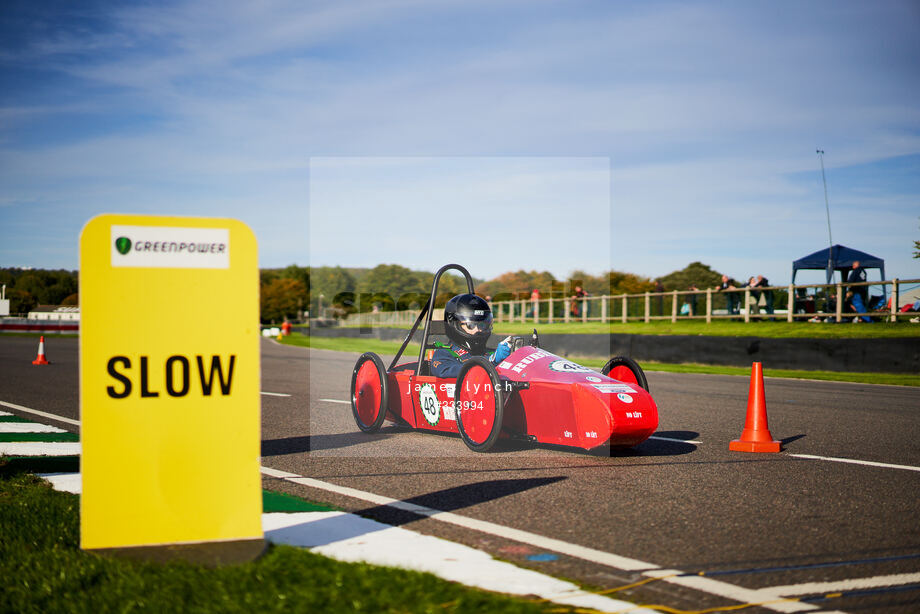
pixel 474 312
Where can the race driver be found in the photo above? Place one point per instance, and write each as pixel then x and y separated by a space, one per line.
pixel 468 324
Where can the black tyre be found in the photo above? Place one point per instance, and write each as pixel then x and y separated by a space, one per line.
pixel 369 392
pixel 479 402
pixel 624 369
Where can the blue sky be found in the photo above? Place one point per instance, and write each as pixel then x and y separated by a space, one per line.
pixel 506 135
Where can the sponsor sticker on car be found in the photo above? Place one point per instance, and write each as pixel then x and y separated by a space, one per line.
pixel 567 366
pixel 449 412
pixel 529 359
pixel 615 388
pixel 624 397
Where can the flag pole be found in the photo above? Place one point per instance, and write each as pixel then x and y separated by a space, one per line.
pixel 827 209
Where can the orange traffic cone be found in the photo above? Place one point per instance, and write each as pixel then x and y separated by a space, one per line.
pixel 756 435
pixel 41 360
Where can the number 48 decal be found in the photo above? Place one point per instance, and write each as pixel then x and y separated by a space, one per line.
pixel 428 401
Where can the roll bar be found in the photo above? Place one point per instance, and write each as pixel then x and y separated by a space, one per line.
pixel 427 310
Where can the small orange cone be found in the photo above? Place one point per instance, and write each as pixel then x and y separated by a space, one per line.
pixel 41 360
pixel 756 435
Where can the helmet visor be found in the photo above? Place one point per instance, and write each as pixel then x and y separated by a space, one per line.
pixel 483 324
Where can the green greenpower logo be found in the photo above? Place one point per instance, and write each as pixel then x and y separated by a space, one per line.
pixel 169 247
pixel 123 245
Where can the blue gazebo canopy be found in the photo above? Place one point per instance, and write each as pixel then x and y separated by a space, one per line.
pixel 837 258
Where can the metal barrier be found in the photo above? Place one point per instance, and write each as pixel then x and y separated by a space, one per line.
pixel 795 303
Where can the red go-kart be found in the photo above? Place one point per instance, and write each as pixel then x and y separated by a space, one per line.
pixel 533 394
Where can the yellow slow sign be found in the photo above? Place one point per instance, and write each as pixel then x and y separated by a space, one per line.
pixel 169 382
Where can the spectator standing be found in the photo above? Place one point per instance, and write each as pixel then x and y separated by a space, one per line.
pixel 729 286
pixel 579 302
pixel 857 275
pixel 690 303
pixel 534 302
pixel 854 302
pixel 754 297
pixel 763 282
pixel 830 302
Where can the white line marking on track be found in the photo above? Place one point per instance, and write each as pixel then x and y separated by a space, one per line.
pixel 40 413
pixel 856 462
pixel 275 394
pixel 28 427
pixel 347 537
pixel 707 585
pixel 652 437
pixel 817 588
pixel 768 597
pixel 675 440
pixel 785 379
pixel 490 528
pixel 697 442
pixel 761 597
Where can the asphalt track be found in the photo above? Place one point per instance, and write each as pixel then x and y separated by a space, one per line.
pixel 751 522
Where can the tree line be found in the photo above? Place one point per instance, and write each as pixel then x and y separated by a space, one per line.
pixel 294 291
pixel 26 289
pixel 338 291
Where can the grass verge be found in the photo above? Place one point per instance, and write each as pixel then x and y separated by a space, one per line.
pixel 348 344
pixel 391 347
pixel 44 570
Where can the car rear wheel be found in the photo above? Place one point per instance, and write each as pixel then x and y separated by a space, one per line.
pixel 479 402
pixel 625 369
pixel 369 392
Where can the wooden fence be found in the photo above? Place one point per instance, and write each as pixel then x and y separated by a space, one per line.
pixel 827 301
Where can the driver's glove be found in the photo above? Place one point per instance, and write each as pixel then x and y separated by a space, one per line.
pixel 502 351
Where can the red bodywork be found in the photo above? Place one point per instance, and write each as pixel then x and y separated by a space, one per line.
pixel 563 403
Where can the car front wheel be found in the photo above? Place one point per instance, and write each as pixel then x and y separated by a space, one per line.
pixel 479 402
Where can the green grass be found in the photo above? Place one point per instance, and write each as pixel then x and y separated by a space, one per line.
pixel 13 419
pixel 391 347
pixel 720 328
pixel 44 571
pixel 281 502
pixel 48 437
pixel 347 344
pixel 716 328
